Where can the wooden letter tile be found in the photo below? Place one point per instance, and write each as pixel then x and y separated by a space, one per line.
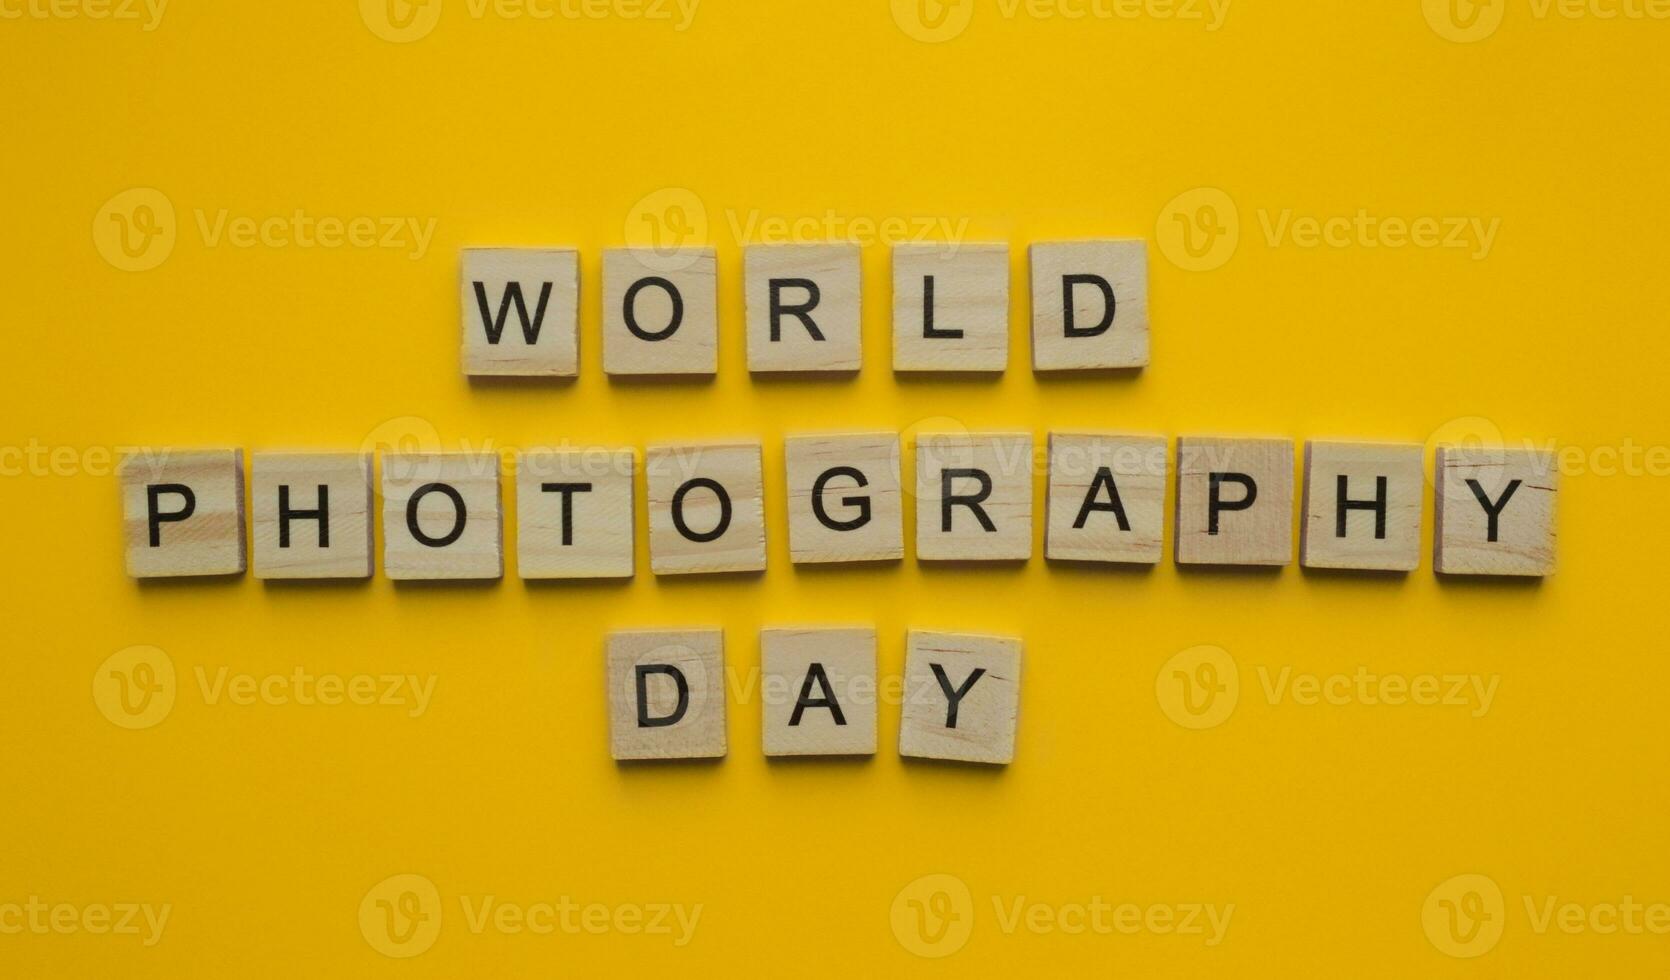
pixel 974 497
pixel 1107 498
pixel 1234 501
pixel 311 515
pixel 818 690
pixel 1089 305
pixel 441 517
pixel 521 312
pixel 660 311
pixel 844 498
pixel 666 694
pixel 706 508
pixel 183 512
pixel 1495 511
pixel 962 697
pixel 951 307
pixel 574 513
pixel 803 307
pixel 1362 506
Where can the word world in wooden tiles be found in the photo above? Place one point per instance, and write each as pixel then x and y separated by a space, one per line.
pixel 803 309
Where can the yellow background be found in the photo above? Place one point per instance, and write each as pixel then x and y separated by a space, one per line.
pixel 1327 827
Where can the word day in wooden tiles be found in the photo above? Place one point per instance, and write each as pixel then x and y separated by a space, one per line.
pixel 1233 503
pixel 818 693
pixel 802 309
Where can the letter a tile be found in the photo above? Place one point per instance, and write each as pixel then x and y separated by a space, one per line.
pixel 818 691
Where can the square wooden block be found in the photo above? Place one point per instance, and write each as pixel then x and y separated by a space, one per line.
pixel 311 515
pixel 962 698
pixel 803 307
pixel 1234 501
pixel 706 508
pixel 1107 498
pixel 951 307
pixel 441 517
pixel 521 312
pixel 666 694
pixel 818 691
pixel 974 497
pixel 660 311
pixel 1362 506
pixel 1089 305
pixel 1495 511
pixel 845 500
pixel 574 513
pixel 183 512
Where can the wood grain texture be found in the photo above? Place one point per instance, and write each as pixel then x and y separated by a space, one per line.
pixel 206 489
pixel 1260 534
pixel 335 544
pixel 574 513
pixel 674 305
pixel 982 728
pixel 457 511
pixel 969 284
pixel 844 502
pixel 836 670
pixel 555 350
pixel 1119 267
pixel 1386 538
pixel 1090 475
pixel 1521 485
pixel 719 492
pixel 994 467
pixel 675 722
pixel 836 271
